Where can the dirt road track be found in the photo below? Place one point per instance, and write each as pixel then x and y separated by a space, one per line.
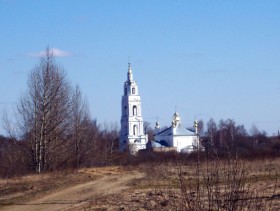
pixel 107 183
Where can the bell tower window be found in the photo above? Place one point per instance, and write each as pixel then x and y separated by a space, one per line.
pixel 133 90
pixel 135 130
pixel 134 110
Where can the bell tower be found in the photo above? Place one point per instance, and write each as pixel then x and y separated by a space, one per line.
pixel 132 136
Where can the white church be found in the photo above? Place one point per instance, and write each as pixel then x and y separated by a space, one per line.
pixel 132 136
pixel 177 137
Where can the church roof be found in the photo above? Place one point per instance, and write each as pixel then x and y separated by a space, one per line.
pixel 165 132
pixel 176 131
pixel 161 143
pixel 181 131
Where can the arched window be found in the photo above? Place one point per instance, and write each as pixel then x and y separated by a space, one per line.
pixel 135 130
pixel 134 110
pixel 133 90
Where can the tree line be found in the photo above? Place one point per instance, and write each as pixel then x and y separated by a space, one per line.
pixel 227 135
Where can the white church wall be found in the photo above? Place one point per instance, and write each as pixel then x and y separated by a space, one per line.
pixel 184 142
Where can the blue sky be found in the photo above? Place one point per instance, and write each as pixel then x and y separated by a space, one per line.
pixel 210 59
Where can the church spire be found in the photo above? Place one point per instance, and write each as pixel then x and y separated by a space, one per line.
pixel 129 73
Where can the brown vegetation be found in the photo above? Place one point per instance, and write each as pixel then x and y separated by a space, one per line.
pixel 238 185
pixel 178 182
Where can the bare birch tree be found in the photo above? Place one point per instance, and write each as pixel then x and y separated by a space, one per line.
pixel 45 110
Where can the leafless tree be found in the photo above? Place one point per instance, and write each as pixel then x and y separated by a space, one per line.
pixel 91 145
pixel 80 126
pixel 212 131
pixel 108 141
pixel 45 111
pixel 149 130
pixel 8 125
pixel 227 131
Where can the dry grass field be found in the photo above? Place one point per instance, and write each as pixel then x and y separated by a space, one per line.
pixel 254 185
pixel 215 185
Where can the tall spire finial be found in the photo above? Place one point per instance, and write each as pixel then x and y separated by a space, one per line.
pixel 129 72
pixel 129 66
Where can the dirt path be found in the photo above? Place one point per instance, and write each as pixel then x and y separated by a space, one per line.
pixel 109 182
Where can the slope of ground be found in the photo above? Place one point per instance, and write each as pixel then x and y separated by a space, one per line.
pixel 105 181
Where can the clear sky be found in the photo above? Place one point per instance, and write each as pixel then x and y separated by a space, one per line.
pixel 210 58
